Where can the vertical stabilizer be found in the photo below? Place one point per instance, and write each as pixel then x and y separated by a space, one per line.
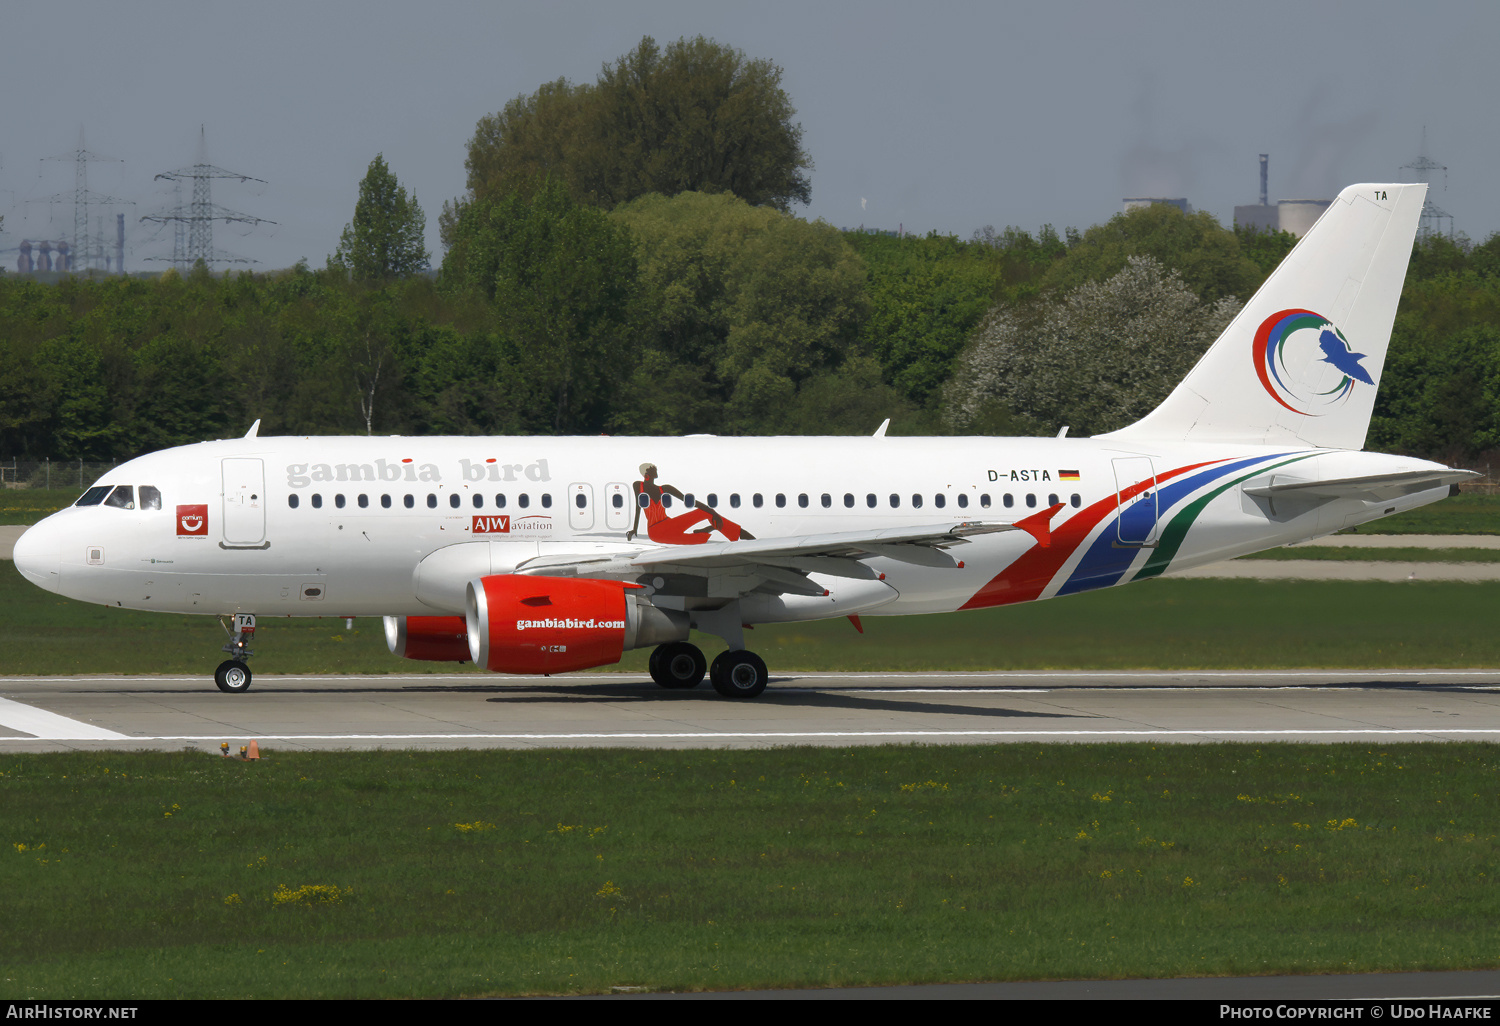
pixel 1301 362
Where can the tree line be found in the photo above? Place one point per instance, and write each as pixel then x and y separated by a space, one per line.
pixel 625 261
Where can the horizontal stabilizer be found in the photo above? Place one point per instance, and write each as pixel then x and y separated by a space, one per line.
pixel 1374 488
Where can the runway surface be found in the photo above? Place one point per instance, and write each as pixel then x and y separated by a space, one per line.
pixel 623 710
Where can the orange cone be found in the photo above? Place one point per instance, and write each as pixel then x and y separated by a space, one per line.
pixel 254 752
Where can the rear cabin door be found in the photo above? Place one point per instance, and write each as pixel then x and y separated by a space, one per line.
pixel 1135 490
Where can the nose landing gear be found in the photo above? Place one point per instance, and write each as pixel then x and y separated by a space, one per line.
pixel 233 675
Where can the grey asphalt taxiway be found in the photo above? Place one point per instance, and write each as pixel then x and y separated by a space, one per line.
pixel 625 710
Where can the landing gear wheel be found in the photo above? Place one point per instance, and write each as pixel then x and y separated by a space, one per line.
pixel 232 676
pixel 738 674
pixel 678 665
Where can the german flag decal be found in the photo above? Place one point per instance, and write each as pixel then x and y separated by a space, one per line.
pixel 1067 475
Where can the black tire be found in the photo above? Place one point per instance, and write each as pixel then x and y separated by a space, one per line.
pixel 232 676
pixel 739 674
pixel 678 664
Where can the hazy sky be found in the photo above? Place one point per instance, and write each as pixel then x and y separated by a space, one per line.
pixel 943 115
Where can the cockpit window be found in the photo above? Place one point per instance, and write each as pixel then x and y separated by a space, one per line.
pixel 150 497
pixel 123 496
pixel 93 496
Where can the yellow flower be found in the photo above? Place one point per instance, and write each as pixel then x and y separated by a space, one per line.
pixel 310 894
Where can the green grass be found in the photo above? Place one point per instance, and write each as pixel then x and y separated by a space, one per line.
pixel 28 505
pixel 1466 513
pixel 1168 624
pixel 434 874
pixel 1412 554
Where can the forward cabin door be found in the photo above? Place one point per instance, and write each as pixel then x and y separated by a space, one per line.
pixel 244 503
pixel 1135 490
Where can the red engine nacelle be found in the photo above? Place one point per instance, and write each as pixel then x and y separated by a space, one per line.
pixel 521 624
pixel 439 639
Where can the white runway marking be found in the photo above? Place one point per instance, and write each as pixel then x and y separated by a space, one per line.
pixel 616 677
pixel 772 735
pixel 46 726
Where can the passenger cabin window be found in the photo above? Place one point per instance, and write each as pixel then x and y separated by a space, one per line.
pixel 292 500
pixel 499 501
pixel 122 497
pixel 580 501
pixel 317 501
pixel 150 497
pixel 940 500
pixel 478 501
pixel 617 501
pixel 802 500
pixel 827 500
pixel 409 501
pixel 757 500
pixel 385 502
pixel 713 499
pixel 93 496
pixel 1076 500
pixel 454 500
pixel 338 500
pixel 431 501
pixel 1009 500
pixel 1030 500
pixel 1052 500
pixel 870 500
pixel 780 500
pixel 984 501
pixel 848 500
pixel 547 500
pixel 895 501
pixel 734 500
pixel 963 501
pixel 364 501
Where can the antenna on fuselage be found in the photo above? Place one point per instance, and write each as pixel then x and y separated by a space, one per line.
pixel 254 429
pixel 880 431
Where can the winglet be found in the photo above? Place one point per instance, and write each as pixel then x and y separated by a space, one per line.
pixel 1039 525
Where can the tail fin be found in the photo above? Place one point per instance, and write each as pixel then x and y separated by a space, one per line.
pixel 1301 362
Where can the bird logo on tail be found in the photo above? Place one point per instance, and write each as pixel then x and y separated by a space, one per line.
pixel 1336 350
pixel 1290 350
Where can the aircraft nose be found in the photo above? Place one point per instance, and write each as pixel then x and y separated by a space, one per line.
pixel 37 556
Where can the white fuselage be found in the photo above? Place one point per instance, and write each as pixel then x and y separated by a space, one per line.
pixel 342 526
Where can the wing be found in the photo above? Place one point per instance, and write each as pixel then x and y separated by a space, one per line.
pixel 721 570
pixel 777 565
pixel 782 565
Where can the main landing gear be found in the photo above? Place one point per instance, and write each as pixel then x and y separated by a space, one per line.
pixel 738 674
pixel 678 664
pixel 233 675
